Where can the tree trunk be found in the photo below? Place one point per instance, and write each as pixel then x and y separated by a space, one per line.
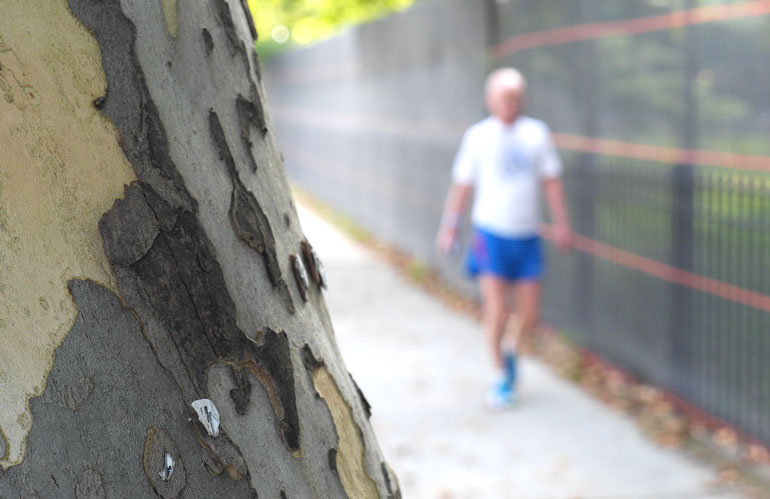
pixel 151 257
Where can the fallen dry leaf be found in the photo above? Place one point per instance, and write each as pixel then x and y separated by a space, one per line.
pixel 725 437
pixel 729 475
pixel 758 454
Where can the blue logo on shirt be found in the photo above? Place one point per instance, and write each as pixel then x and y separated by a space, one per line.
pixel 514 161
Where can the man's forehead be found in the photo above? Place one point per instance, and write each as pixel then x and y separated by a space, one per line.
pixel 511 88
pixel 507 87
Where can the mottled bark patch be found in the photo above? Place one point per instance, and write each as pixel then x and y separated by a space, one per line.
pixel 90 485
pixel 171 15
pixel 300 276
pixel 223 15
pixel 250 114
pixel 249 19
pixel 349 455
pixel 313 263
pixel 311 363
pixel 128 103
pixel 132 392
pixel 25 491
pixel 170 271
pixel 157 444
pixel 60 168
pixel 208 42
pixel 76 393
pixel 364 402
pixel 241 396
pixel 234 43
pixel 210 464
pixel 247 217
pixel 257 67
pixel 388 484
pixel 180 280
pixel 142 235
pixel 173 281
pixel 275 357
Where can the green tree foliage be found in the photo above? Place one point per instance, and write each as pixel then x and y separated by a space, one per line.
pixel 284 22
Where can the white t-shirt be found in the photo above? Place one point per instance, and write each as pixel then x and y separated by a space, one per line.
pixel 506 165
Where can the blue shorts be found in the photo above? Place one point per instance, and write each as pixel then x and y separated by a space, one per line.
pixel 512 259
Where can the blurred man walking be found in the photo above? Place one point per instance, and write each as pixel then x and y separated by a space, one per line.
pixel 505 160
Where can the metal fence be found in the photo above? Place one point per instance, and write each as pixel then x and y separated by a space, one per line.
pixel 661 111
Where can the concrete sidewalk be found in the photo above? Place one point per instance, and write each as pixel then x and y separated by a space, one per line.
pixel 424 369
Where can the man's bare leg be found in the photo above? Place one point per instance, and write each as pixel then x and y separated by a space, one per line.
pixel 519 326
pixel 526 314
pixel 495 313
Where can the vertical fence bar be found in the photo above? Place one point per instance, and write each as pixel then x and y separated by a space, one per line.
pixel 762 379
pixel 682 181
pixel 723 254
pixel 588 89
pixel 681 332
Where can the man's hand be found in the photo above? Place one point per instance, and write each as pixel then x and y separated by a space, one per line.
pixel 446 240
pixel 560 233
pixel 562 237
pixel 457 197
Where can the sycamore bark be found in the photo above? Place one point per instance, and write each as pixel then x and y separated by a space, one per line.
pixel 151 256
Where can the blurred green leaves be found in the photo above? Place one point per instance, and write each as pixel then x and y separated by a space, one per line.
pixel 285 22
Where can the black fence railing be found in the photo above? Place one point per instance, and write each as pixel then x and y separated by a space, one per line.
pixel 661 111
pixel 673 286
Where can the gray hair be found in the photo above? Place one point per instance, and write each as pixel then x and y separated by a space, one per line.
pixel 505 76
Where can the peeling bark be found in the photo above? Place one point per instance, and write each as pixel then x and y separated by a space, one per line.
pixel 197 307
pixel 247 13
pixel 247 217
pixel 105 438
pixel 364 403
pixel 78 392
pixel 348 458
pixel 250 114
pixel 90 485
pixel 157 445
pixel 222 12
pixel 207 40
pixel 191 300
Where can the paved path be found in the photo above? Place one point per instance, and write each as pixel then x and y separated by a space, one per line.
pixel 424 369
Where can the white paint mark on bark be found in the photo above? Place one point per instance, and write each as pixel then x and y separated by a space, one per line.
pixel 168 467
pixel 207 415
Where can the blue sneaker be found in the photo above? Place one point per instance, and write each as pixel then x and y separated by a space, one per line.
pixel 501 394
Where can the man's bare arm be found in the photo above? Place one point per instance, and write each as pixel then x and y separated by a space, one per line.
pixel 456 199
pixel 557 205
